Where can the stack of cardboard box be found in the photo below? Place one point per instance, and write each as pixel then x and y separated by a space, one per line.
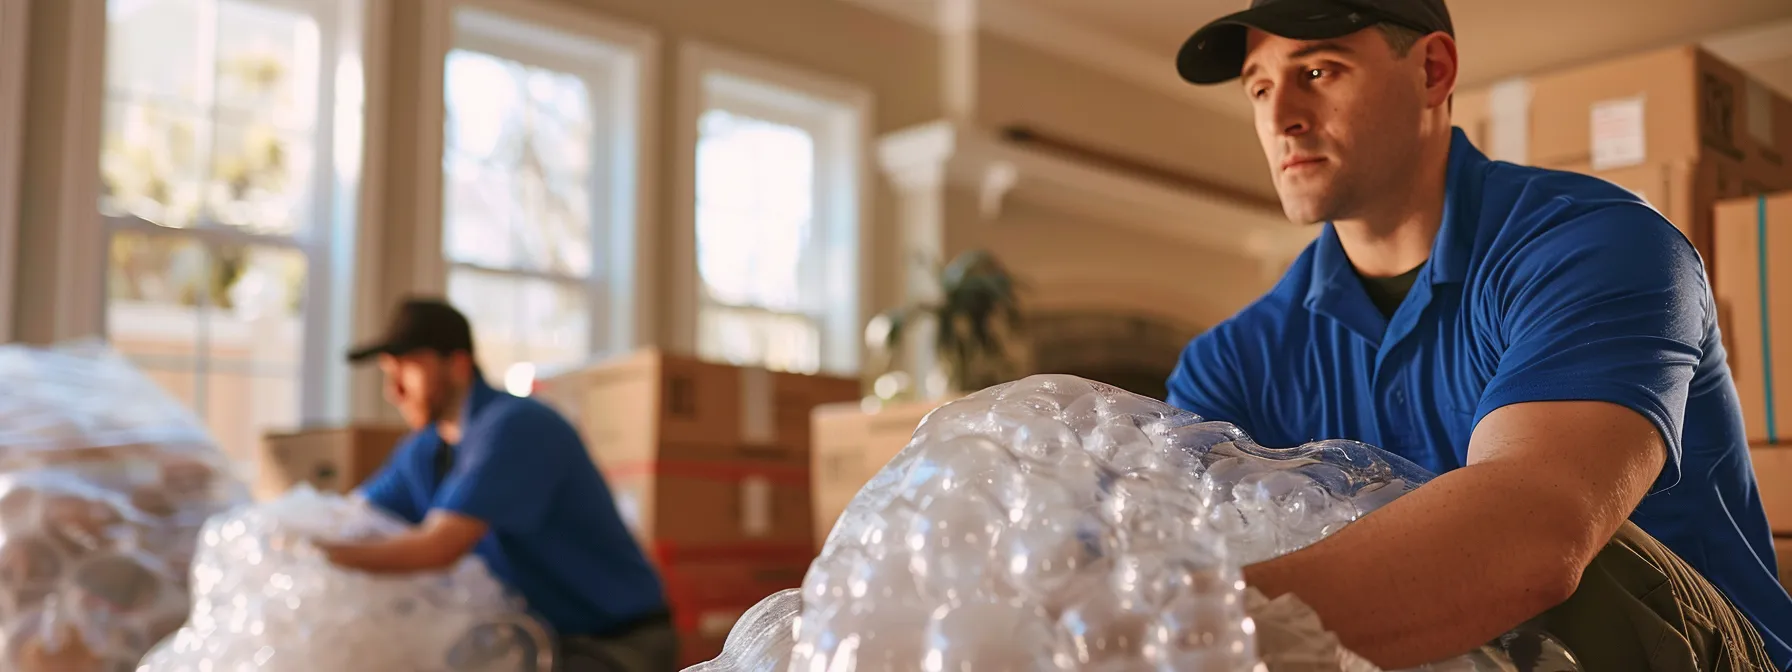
pixel 709 465
pixel 1679 127
pixel 1708 147
pixel 329 459
pixel 1754 295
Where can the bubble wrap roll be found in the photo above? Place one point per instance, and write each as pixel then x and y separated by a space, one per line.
pixel 1054 523
pixel 265 598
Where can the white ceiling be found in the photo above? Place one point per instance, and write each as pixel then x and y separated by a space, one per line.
pixel 1498 38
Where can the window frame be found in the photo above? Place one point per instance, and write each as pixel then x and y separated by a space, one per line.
pixel 838 114
pixel 618 56
pixel 333 212
pixel 15 33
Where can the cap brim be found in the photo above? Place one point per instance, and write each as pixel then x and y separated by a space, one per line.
pixel 1216 52
pixel 370 351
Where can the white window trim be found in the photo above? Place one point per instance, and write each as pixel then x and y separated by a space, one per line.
pixel 14 33
pixel 67 301
pixel 850 224
pixel 628 55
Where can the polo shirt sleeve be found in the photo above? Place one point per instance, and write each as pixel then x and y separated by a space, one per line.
pixel 389 488
pixel 507 472
pixel 1206 381
pixel 1612 306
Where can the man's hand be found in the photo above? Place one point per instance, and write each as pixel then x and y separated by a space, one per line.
pixel 1483 548
pixel 443 539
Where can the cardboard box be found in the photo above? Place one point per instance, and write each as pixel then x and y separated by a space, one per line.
pixel 708 590
pixel 1686 192
pixel 1655 107
pixel 1773 478
pixel 1782 551
pixel 851 445
pixel 653 406
pixel 1496 119
pixel 330 459
pixel 715 502
pixel 1754 296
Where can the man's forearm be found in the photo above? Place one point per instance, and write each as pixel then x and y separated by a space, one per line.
pixel 1443 569
pixel 402 553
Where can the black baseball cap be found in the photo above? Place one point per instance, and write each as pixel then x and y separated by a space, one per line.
pixel 1215 53
pixel 420 324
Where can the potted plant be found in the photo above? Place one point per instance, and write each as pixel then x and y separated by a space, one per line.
pixel 978 330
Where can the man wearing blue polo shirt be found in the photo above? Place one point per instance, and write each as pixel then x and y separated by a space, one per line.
pixel 1543 340
pixel 508 479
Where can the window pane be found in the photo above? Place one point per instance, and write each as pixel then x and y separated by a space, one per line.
pixel 150 163
pixel 478 213
pixel 533 126
pixel 520 319
pixel 155 285
pixel 754 337
pixel 219 327
pixel 211 111
pixel 258 178
pixel 267 61
pixel 143 63
pixel 755 198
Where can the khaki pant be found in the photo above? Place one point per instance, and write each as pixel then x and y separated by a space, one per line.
pixel 1640 608
pixel 649 648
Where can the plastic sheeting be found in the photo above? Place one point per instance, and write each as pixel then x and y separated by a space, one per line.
pixel 105 482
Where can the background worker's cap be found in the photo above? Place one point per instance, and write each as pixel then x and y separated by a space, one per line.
pixel 420 324
pixel 1215 53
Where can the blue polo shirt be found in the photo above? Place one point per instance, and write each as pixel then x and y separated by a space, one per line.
pixel 1541 286
pixel 555 537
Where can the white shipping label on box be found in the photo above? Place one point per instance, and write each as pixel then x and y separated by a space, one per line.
pixel 628 506
pixel 1509 112
pixel 1618 133
pixel 756 506
pixel 758 425
pixel 1760 113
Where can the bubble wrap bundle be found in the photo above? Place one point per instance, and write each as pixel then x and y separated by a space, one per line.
pixel 105 482
pixel 1058 524
pixel 266 599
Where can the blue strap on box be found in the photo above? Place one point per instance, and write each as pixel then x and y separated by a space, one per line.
pixel 1773 435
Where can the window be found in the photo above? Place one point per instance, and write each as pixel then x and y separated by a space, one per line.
pixel 538 169
pixel 218 193
pixel 13 36
pixel 777 210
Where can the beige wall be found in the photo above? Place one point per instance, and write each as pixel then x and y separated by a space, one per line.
pixel 1020 85
pixel 1068 263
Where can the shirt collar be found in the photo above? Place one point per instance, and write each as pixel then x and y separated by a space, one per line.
pixel 1455 235
pixel 479 395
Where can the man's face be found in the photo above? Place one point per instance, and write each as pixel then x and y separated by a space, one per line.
pixel 420 384
pixel 1339 120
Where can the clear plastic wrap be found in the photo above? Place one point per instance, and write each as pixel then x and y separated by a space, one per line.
pixel 1054 523
pixel 265 598
pixel 105 482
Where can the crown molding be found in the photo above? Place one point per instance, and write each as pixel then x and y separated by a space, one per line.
pixel 935 155
pixel 923 13
pixel 1052 34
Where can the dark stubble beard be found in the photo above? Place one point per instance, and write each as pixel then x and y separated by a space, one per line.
pixel 445 398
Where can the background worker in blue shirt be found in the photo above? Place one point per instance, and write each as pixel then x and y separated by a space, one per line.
pixel 507 478
pixel 1545 341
